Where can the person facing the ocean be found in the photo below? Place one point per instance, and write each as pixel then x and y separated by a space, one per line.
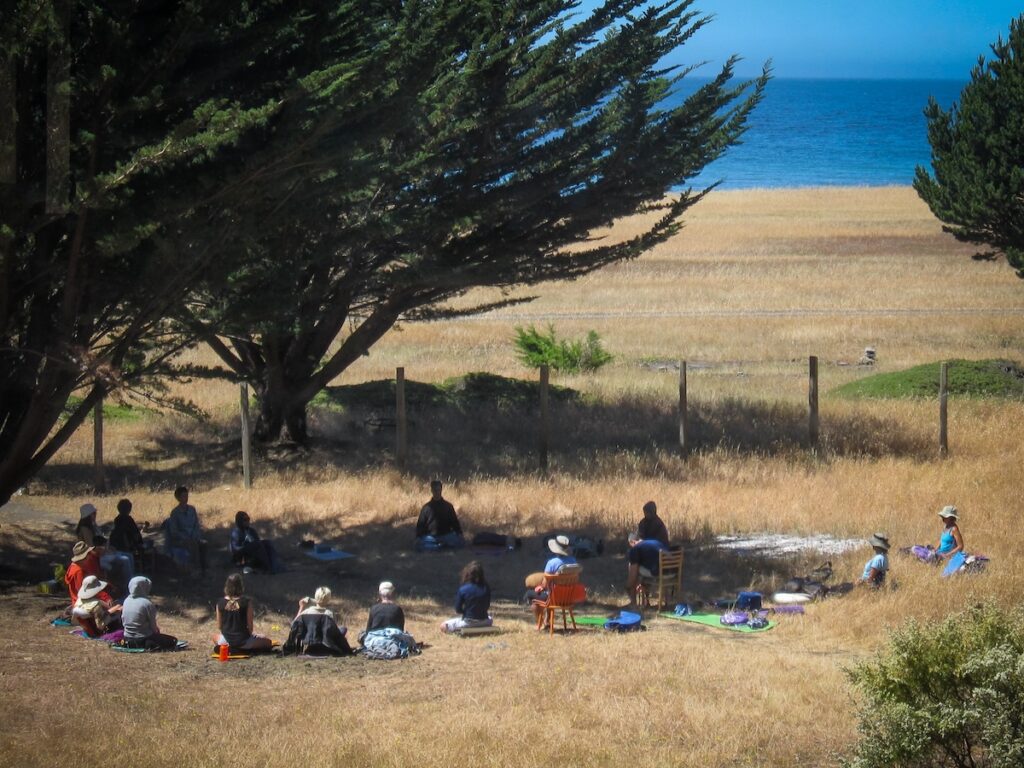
pixel 652 526
pixel 951 541
pixel 138 616
pixel 877 567
pixel 385 612
pixel 473 600
pixel 314 630
pixel 438 526
pixel 235 619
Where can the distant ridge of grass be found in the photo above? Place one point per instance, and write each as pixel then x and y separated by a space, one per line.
pixel 967 378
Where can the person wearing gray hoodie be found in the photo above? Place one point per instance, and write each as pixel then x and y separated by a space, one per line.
pixel 139 619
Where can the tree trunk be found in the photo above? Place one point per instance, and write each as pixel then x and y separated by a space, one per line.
pixel 281 415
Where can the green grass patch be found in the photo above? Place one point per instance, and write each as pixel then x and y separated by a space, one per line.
pixel 460 392
pixel 113 411
pixel 967 378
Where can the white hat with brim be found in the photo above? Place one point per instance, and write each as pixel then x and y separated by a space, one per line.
pixel 880 540
pixel 80 551
pixel 559 545
pixel 86 510
pixel 949 511
pixel 91 586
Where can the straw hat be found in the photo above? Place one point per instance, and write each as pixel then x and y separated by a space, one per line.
pixel 949 511
pixel 559 545
pixel 880 540
pixel 86 510
pixel 91 586
pixel 80 551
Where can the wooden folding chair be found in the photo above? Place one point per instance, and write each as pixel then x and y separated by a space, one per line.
pixel 668 584
pixel 564 592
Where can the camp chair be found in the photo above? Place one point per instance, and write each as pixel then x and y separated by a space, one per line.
pixel 564 592
pixel 668 583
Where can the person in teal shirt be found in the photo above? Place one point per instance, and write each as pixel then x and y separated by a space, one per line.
pixel 951 541
pixel 876 569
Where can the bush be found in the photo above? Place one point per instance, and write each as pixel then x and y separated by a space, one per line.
pixel 536 349
pixel 947 693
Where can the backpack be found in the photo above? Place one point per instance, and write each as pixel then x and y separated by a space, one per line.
pixel 388 643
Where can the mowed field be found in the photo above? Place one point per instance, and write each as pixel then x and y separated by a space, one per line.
pixel 755 283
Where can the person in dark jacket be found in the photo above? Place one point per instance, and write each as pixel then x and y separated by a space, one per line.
pixel 652 526
pixel 473 600
pixel 248 550
pixel 314 630
pixel 385 613
pixel 438 526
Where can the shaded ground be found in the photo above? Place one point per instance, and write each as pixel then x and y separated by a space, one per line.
pixel 489 426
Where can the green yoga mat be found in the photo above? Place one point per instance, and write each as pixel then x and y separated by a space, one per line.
pixel 712 620
pixel 591 621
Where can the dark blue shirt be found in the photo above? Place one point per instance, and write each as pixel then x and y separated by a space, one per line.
pixel 473 601
pixel 645 554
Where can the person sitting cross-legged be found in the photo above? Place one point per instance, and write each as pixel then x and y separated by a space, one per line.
pixel 248 550
pixel 138 617
pixel 877 568
pixel 473 600
pixel 438 526
pixel 315 631
pixel 94 611
pixel 235 619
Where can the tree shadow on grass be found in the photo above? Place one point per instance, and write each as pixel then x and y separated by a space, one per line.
pixel 426 582
pixel 489 426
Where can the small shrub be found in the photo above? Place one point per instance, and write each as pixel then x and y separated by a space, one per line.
pixel 947 693
pixel 536 348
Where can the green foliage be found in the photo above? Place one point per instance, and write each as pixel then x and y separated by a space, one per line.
pixel 536 348
pixel 461 392
pixel 978 155
pixel 966 378
pixel 947 693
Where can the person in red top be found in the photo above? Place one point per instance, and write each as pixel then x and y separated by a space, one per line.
pixel 85 561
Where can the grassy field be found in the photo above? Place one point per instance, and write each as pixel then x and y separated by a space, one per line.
pixel 755 283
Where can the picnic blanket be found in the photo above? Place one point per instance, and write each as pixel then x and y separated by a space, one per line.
pixel 712 620
pixel 328 556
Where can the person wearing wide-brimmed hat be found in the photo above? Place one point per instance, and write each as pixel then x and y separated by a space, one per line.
pixel 537 583
pixel 876 569
pixel 85 561
pixel 94 610
pixel 87 530
pixel 951 541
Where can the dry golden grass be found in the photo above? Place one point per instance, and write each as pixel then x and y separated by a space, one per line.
pixel 755 283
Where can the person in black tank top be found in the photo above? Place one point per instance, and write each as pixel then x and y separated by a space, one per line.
pixel 235 617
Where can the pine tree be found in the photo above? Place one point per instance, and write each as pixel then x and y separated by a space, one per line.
pixel 471 142
pixel 978 155
pixel 121 125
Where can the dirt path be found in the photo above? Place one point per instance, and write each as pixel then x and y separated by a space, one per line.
pixel 739 313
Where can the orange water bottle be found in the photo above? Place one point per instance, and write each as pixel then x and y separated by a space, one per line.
pixel 223 653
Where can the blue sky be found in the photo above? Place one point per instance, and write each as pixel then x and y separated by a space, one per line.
pixel 939 39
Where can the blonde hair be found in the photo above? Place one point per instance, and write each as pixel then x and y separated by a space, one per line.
pixel 322 596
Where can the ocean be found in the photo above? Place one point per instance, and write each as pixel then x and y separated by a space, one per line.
pixel 832 133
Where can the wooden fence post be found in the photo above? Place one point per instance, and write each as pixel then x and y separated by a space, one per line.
pixel 812 401
pixel 544 418
pixel 684 447
pixel 243 394
pixel 402 434
pixel 99 471
pixel 943 409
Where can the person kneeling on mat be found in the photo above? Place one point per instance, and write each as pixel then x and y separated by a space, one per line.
pixel 473 600
pixel 138 616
